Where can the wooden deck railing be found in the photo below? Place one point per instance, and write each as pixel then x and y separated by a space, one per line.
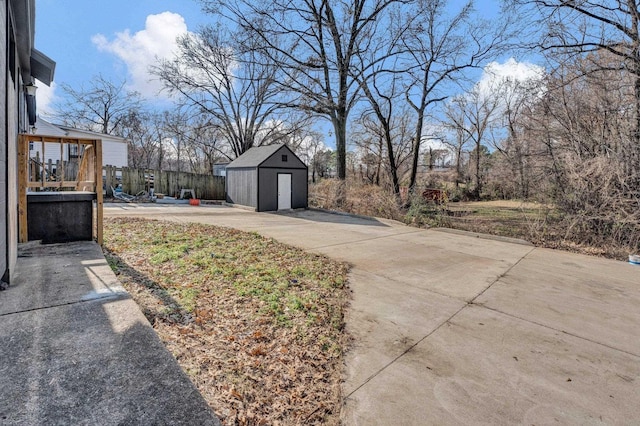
pixel 37 174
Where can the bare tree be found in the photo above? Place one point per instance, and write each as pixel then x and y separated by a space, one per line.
pixel 371 150
pixel 230 83
pixel 145 133
pixel 518 98
pixel 577 29
pixel 459 138
pixel 440 46
pixel 197 142
pixel 475 114
pixel 314 43
pixel 100 107
pixel 381 85
pixel 309 149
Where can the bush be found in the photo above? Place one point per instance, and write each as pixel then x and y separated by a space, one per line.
pixel 600 203
pixel 360 198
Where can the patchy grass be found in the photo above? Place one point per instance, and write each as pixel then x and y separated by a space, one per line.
pixel 505 218
pixel 257 325
pixel 540 224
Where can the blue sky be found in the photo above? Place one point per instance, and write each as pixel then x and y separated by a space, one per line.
pixel 121 38
pixel 113 37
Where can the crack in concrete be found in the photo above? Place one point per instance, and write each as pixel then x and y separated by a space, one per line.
pixel 559 330
pixel 115 295
pixel 410 348
pixel 472 303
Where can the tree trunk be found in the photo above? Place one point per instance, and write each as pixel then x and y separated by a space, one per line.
pixel 340 129
pixel 416 151
pixel 478 187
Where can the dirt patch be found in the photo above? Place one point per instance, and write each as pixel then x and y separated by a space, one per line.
pixel 257 325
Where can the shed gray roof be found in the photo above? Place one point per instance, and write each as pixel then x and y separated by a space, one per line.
pixel 255 156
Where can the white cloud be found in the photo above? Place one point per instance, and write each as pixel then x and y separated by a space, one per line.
pixel 511 69
pixel 45 97
pixel 142 49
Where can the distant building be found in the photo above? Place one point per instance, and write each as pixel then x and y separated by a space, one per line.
pixel 220 169
pixel 114 148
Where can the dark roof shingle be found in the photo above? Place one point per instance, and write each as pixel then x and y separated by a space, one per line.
pixel 255 156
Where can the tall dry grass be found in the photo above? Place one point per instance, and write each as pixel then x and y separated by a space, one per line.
pixel 359 198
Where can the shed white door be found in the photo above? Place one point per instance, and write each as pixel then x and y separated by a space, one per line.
pixel 284 192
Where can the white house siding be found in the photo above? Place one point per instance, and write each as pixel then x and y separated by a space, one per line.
pixel 114 149
pixel 114 153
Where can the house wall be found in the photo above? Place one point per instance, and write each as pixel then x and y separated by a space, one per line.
pixel 51 151
pixel 268 188
pixel 242 186
pixel 12 104
pixel 114 153
pixel 15 104
pixel 4 224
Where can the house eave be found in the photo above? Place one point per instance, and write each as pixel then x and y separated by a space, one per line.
pixel 33 63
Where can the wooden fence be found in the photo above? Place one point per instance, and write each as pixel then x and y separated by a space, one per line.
pixel 134 181
pixel 52 171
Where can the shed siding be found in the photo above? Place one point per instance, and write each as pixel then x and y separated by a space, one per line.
pixel 275 160
pixel 242 187
pixel 268 197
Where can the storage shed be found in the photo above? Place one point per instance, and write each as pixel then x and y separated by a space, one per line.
pixel 268 178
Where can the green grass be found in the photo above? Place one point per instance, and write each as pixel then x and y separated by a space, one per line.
pixel 236 310
pixel 185 259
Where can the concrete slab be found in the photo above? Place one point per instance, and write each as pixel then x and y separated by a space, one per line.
pixel 76 349
pixel 596 299
pixel 71 272
pixel 435 267
pixel 484 367
pixel 386 319
pixel 455 329
pixel 469 244
pixel 319 229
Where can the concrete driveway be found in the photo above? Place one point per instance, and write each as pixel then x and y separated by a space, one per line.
pixel 457 329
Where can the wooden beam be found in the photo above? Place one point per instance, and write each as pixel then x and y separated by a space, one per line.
pixel 98 179
pixel 23 164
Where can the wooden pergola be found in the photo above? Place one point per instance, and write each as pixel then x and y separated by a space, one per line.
pixel 37 174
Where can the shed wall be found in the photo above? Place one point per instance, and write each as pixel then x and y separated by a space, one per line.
pixel 268 197
pixel 242 187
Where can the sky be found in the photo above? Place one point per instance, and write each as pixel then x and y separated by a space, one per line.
pixel 118 39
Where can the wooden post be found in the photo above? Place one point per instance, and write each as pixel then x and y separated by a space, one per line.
pixel 23 164
pixel 98 181
pixel 60 170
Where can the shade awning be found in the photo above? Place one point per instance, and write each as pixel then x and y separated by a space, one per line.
pixel 42 67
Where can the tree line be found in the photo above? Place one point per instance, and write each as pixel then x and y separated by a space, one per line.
pixel 391 77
